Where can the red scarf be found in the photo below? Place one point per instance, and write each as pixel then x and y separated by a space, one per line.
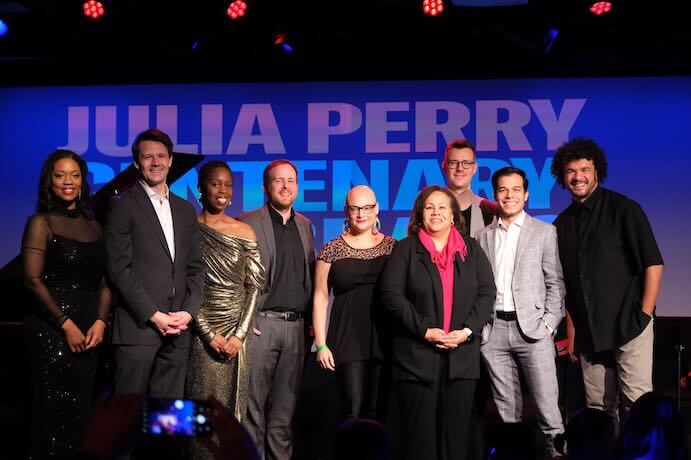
pixel 444 262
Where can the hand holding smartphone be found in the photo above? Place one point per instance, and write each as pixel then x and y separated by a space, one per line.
pixel 176 417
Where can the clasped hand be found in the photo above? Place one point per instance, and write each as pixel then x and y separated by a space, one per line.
pixel 171 323
pixel 226 348
pixel 445 340
pixel 77 341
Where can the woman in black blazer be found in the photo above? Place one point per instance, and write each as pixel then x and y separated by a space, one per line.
pixel 438 290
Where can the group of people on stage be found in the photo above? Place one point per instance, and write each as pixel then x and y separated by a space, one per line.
pixel 214 306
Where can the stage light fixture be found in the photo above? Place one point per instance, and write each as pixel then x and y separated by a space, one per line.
pixel 93 9
pixel 236 9
pixel 600 8
pixel 432 7
pixel 3 28
pixel 549 39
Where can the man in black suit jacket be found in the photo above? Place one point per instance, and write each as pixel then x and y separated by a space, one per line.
pixel 154 261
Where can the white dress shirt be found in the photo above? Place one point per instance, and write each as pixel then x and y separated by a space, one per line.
pixel 165 216
pixel 506 243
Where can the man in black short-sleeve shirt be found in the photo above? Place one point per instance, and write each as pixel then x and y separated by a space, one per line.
pixel 612 270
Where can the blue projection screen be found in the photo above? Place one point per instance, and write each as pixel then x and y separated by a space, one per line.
pixel 389 135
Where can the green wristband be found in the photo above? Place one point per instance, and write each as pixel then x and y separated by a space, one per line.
pixel 322 347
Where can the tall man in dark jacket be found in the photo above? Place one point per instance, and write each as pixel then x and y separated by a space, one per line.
pixel 459 166
pixel 154 261
pixel 612 270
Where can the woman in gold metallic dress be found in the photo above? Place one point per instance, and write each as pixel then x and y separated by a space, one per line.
pixel 219 365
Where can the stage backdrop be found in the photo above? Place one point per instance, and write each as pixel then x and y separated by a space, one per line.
pixel 389 135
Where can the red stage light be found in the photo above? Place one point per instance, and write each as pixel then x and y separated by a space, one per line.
pixel 93 9
pixel 432 7
pixel 236 9
pixel 599 8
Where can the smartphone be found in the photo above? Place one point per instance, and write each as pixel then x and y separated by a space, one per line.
pixel 176 417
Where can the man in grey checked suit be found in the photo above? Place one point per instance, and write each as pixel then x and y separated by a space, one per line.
pixel 529 306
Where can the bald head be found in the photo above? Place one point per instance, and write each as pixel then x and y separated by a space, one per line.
pixel 360 194
pixel 361 210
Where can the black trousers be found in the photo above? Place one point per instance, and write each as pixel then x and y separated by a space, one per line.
pixel 158 370
pixel 435 417
pixel 358 384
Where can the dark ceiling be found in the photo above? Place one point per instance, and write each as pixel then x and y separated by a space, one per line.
pixel 51 42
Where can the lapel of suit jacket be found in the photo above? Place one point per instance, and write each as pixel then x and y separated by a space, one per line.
pixel 178 223
pixel 268 231
pixel 523 238
pixel 305 231
pixel 477 222
pixel 460 312
pixel 433 273
pixel 491 242
pixel 147 206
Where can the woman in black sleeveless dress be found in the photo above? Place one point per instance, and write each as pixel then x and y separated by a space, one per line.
pixel 63 266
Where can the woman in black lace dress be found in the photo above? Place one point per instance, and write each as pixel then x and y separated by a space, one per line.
pixel 350 265
pixel 63 266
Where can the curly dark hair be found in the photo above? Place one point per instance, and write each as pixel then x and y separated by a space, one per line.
pixel 415 222
pixel 577 149
pixel 47 201
pixel 206 170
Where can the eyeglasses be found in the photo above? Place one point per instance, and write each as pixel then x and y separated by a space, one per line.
pixel 366 209
pixel 454 164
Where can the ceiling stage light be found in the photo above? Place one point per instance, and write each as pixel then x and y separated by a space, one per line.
pixel 3 28
pixel 600 8
pixel 236 9
pixel 93 9
pixel 432 7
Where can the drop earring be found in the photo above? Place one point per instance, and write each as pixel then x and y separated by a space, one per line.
pixel 346 226
pixel 376 226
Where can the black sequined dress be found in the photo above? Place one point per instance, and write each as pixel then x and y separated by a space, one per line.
pixel 64 265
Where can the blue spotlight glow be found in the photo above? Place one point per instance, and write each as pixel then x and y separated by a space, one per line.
pixel 3 28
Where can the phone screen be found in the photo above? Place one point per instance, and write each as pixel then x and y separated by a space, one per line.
pixel 175 417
